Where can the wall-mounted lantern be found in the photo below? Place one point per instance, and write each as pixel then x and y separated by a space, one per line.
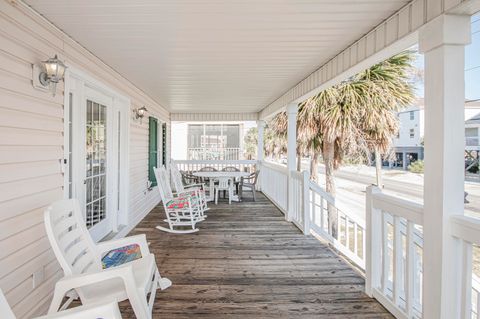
pixel 139 113
pixel 49 74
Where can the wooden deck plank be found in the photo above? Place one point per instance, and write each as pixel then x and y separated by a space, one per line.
pixel 248 262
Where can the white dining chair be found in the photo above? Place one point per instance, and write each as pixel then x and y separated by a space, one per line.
pixel 80 259
pixel 224 184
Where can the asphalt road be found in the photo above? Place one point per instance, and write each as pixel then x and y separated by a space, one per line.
pixel 351 190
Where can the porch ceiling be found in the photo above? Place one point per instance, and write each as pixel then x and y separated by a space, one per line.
pixel 211 55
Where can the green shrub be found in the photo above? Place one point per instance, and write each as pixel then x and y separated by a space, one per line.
pixel 416 167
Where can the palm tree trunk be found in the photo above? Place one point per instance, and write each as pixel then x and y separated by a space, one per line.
pixel 314 167
pixel 378 167
pixel 328 158
pixel 299 162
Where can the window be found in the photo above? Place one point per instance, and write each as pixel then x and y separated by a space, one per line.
pixel 412 133
pixel 152 149
pixel 213 142
pixel 412 115
pixel 471 136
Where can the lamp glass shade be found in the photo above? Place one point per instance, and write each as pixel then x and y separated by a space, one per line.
pixel 55 69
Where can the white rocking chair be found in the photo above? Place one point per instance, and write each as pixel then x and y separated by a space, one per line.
pixel 80 259
pixel 105 311
pixel 181 209
pixel 197 190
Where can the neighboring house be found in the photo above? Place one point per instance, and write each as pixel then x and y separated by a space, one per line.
pixel 208 141
pixel 472 125
pixel 408 144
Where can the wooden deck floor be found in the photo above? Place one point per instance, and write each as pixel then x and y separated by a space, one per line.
pixel 247 262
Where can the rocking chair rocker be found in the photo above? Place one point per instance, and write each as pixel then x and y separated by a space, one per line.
pixel 181 209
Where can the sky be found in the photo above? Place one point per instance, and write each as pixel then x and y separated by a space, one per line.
pixel 472 64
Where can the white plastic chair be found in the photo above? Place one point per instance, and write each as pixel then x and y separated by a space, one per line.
pixel 181 209
pixel 224 184
pixel 105 311
pixel 80 259
pixel 197 190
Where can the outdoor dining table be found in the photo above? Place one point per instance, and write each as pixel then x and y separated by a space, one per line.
pixel 213 175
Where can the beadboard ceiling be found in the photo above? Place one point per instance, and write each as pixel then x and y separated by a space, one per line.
pixel 215 55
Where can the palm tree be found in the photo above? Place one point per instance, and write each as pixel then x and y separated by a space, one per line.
pixel 357 114
pixel 390 90
pixel 250 142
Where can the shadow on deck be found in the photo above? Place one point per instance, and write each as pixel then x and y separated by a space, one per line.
pixel 248 262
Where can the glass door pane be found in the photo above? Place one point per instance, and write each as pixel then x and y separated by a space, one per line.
pixel 96 159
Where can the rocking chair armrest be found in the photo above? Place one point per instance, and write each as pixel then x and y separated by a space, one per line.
pixel 182 194
pixel 124 273
pixel 201 185
pixel 140 240
pixel 98 309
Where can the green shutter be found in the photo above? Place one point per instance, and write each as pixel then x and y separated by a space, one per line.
pixel 164 144
pixel 152 148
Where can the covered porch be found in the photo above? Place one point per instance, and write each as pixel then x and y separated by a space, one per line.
pixel 94 135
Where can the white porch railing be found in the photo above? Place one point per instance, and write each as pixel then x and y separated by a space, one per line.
pixel 350 239
pixel 306 205
pixel 467 230
pixel 394 250
pixel 274 184
pixel 214 153
pixel 193 166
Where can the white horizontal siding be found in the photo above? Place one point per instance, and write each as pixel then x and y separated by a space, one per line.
pixel 31 149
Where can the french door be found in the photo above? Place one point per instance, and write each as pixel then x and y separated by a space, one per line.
pixel 96 156
pixel 99 148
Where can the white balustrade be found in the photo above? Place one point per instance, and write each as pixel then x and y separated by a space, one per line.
pixel 350 239
pixel 467 230
pixel 394 259
pixel 214 153
pixel 274 184
pixel 194 166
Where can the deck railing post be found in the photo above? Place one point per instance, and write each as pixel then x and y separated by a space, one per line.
pixel 306 202
pixel 442 41
pixel 292 110
pixel 373 242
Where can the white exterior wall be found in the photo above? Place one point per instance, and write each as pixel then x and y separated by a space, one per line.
pixel 406 124
pixel 179 140
pixel 31 147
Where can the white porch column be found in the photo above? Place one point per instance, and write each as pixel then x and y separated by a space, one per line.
pixel 260 141
pixel 442 41
pixel 292 110
pixel 260 150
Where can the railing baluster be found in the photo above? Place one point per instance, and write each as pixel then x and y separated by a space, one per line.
pixel 397 259
pixel 385 264
pixel 410 271
pixel 347 233
pixel 467 281
pixel 355 239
